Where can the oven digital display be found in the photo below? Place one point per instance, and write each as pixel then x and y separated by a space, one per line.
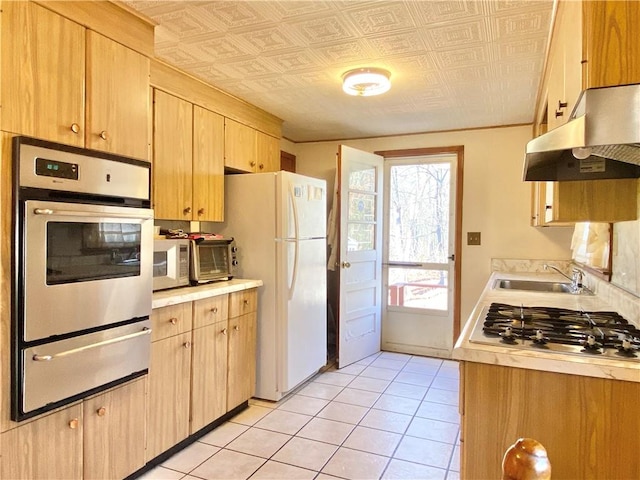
pixel 54 168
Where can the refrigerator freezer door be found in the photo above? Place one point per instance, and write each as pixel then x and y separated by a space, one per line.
pixel 302 309
pixel 303 206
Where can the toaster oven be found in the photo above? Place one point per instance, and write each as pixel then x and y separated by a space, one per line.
pixel 213 260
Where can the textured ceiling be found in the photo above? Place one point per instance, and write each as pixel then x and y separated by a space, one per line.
pixel 454 64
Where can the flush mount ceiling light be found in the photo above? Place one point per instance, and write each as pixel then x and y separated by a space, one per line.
pixel 365 82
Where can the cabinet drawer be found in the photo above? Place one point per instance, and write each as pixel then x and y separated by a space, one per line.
pixel 171 320
pixel 243 302
pixel 210 310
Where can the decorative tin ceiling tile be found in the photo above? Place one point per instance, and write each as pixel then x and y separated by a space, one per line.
pixel 382 19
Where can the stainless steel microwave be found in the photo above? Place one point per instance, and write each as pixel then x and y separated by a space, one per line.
pixel 171 263
pixel 213 260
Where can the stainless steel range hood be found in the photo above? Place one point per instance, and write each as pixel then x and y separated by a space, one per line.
pixel 601 139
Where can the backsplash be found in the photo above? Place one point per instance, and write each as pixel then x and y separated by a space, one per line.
pixel 516 265
pixel 626 258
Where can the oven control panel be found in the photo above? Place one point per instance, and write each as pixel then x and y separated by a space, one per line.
pixel 54 168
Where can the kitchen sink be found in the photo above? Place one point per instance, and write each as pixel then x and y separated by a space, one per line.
pixel 537 286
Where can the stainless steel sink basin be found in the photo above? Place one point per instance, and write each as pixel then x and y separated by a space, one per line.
pixel 537 286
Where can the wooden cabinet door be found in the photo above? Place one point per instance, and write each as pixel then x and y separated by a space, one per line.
pixel 208 165
pixel 241 373
pixel 210 310
pixel 169 385
pixel 117 115
pixel 267 152
pixel 239 146
pixel 50 447
pixel 114 432
pixel 42 90
pixel 171 320
pixel 172 154
pixel 209 375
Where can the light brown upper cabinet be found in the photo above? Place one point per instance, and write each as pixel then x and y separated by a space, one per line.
pixel 188 164
pixel 249 150
pixel 50 62
pixel 268 152
pixel 117 98
pixel 43 57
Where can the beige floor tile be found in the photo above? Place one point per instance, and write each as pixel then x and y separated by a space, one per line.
pixel 353 464
pixel 453 475
pixel 439 411
pixel 398 389
pixel 381 373
pixel 258 442
pixel 436 395
pixel 343 412
pixel 305 453
pixel 413 378
pixel 450 372
pixel 401 470
pixel 280 471
pixel 455 459
pixel 334 378
pixel 190 457
pixel 450 364
pixel 370 384
pixel 262 403
pixel 421 368
pixel 303 405
pixel 324 476
pixel 357 397
pixel 426 452
pixel 228 465
pixel 368 360
pixel 403 357
pixel 320 390
pixel 387 421
pixel 251 415
pixel 353 369
pixel 161 473
pixel 438 362
pixel 392 403
pixel 372 441
pixel 446 383
pixel 224 434
pixel 283 422
pixel 387 363
pixel 433 430
pixel 326 431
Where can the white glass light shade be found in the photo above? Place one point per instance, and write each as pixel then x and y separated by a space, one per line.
pixel 365 82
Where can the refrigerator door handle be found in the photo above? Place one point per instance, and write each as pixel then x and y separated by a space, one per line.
pixel 294 277
pixel 296 229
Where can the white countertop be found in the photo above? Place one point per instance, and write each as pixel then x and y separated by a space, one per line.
pixel 533 359
pixel 188 294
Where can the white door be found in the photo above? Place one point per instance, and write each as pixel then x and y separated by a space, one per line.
pixel 360 263
pixel 418 255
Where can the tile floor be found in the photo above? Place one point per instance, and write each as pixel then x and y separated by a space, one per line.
pixel 389 416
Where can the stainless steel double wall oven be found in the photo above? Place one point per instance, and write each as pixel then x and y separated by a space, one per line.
pixel 82 273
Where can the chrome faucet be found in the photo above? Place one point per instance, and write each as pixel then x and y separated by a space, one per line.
pixel 576 277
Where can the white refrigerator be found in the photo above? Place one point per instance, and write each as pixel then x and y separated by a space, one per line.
pixel 279 223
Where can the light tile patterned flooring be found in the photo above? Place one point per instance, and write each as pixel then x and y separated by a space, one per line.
pixel 388 416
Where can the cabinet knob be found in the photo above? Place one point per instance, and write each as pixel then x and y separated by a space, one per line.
pixel 562 104
pixel 75 128
pixel 187 210
pixel 252 164
pixel 201 211
pixel 214 310
pixel 261 166
pixel 246 302
pixel 173 321
pixel 102 411
pixel 73 424
pixel 224 331
pixel 236 328
pixel 103 134
pixel 187 345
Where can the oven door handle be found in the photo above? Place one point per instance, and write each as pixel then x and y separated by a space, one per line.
pixel 77 213
pixel 47 358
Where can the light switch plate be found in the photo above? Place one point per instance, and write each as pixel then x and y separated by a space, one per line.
pixel 473 238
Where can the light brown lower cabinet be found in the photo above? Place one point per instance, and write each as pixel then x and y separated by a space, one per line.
pixel 101 437
pixel 242 353
pixel 589 426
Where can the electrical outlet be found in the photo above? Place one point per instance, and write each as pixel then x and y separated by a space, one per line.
pixel 473 238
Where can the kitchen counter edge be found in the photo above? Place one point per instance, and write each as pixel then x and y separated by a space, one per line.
pixel 534 360
pixel 176 296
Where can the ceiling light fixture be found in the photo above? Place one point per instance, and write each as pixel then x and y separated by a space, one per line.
pixel 365 82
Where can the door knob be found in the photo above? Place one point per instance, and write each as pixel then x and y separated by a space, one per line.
pixel 346 265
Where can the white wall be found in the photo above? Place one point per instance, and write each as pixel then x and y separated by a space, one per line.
pixel 496 202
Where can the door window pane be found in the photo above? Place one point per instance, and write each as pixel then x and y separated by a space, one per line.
pixel 362 207
pixel 361 236
pixel 363 180
pixel 418 288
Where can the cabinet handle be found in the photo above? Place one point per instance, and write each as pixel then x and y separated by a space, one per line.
pixel 173 321
pixel 236 328
pixel 548 207
pixel 201 211
pixel 102 411
pixel 187 345
pixel 246 302
pixel 187 210
pixel 261 166
pixel 73 424
pixel 214 310
pixel 559 113
pixel 103 134
pixel 224 331
pixel 562 104
pixel 252 164
pixel 75 128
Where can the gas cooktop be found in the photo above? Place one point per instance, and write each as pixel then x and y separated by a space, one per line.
pixel 600 333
